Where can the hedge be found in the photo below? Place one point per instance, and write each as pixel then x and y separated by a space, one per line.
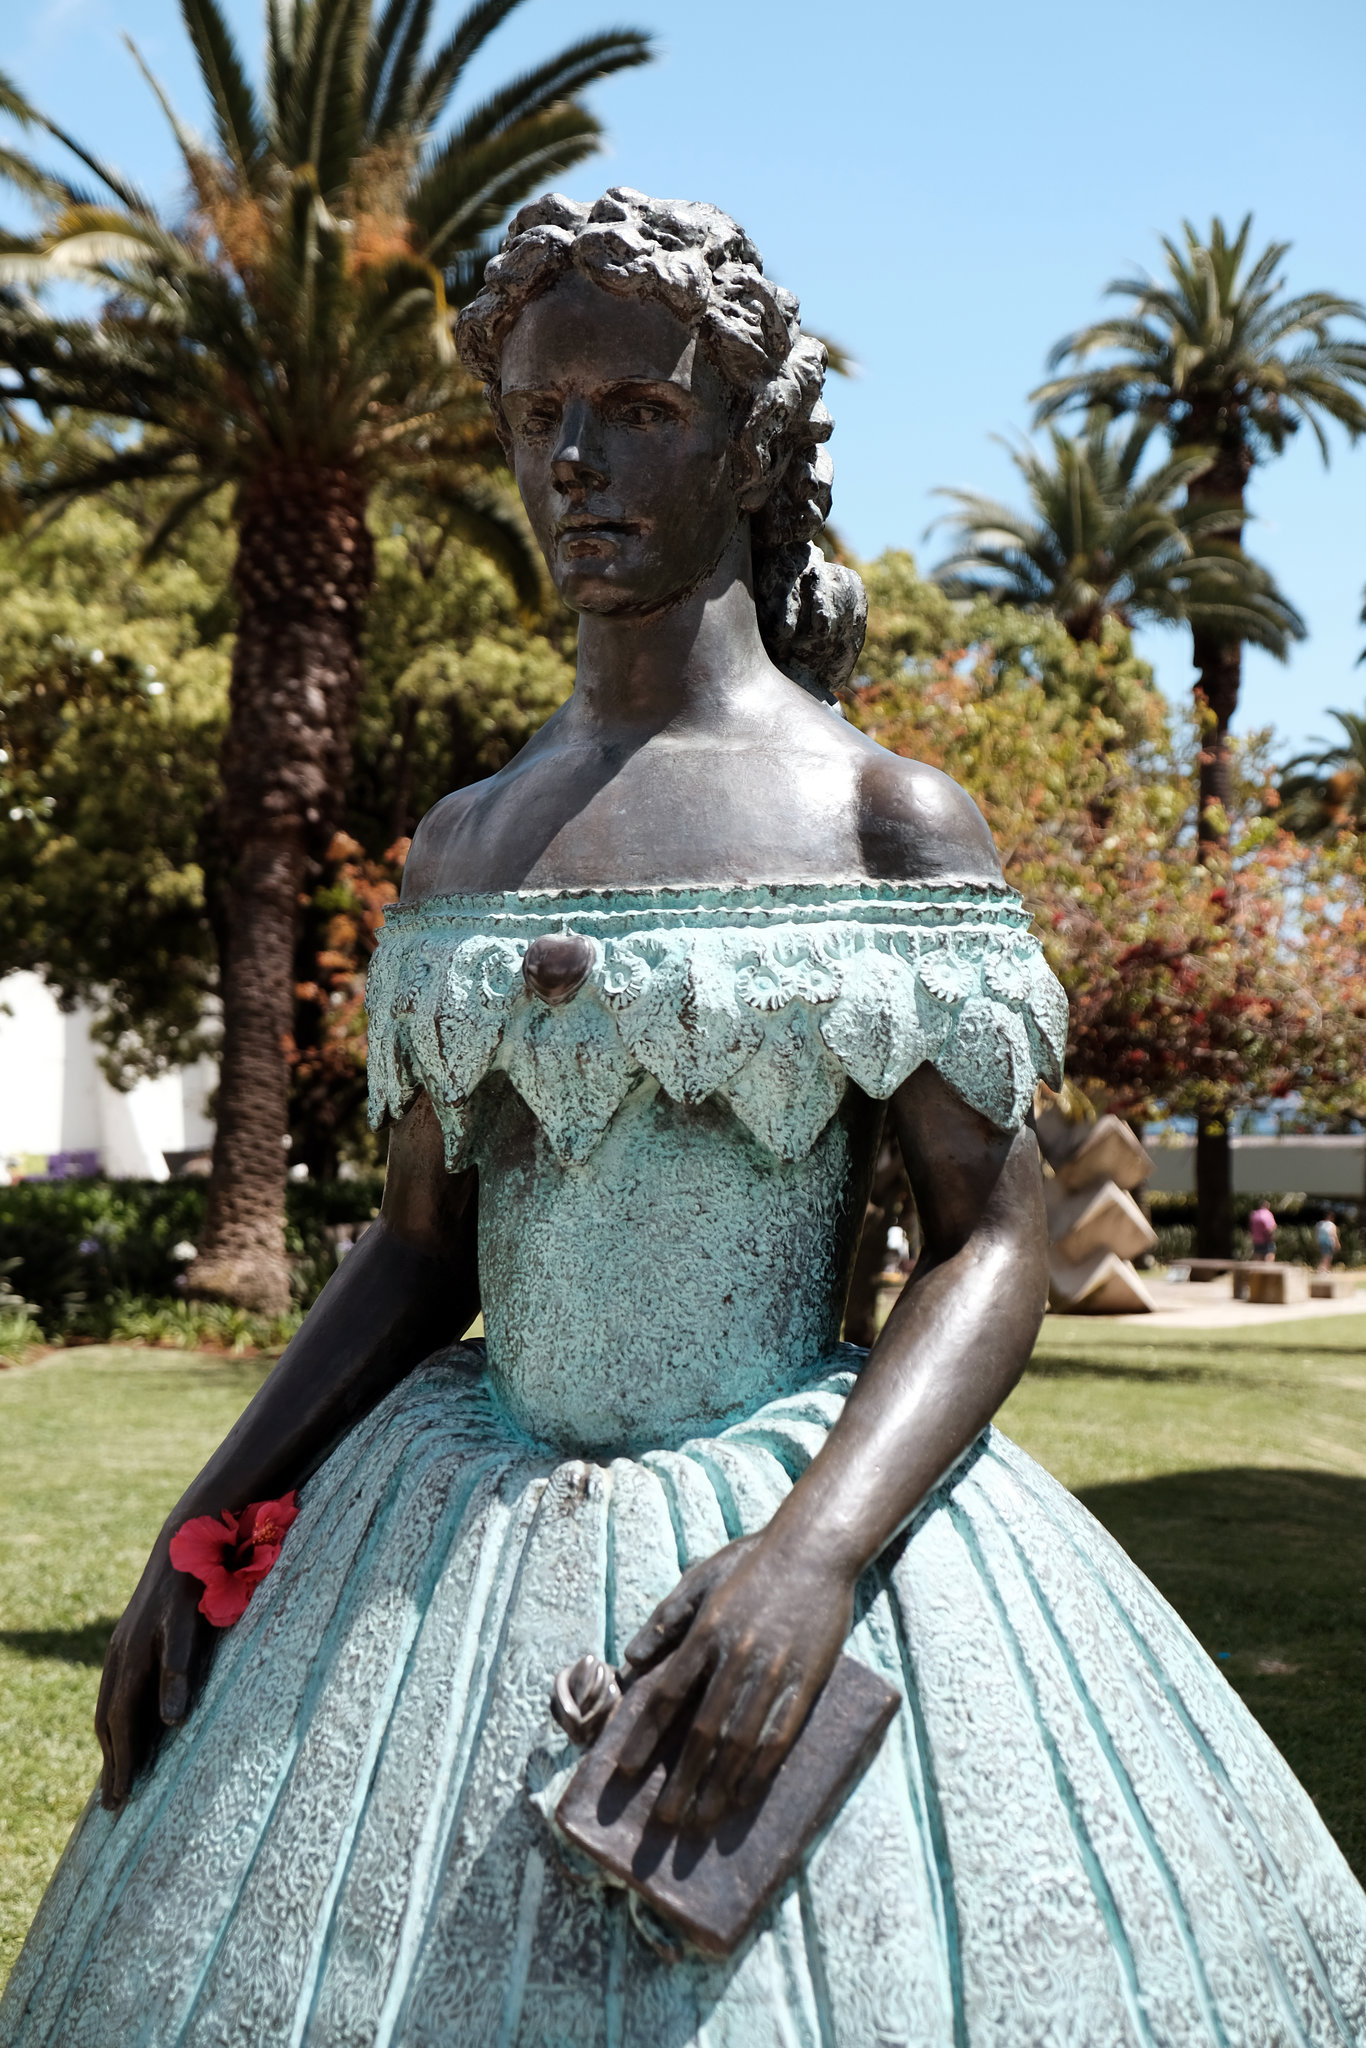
pixel 85 1253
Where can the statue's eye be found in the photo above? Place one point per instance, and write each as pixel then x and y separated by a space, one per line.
pixel 641 412
pixel 538 423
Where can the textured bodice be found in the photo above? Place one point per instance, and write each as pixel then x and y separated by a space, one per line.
pixel 673 1146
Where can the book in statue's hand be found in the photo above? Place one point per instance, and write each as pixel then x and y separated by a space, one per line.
pixel 714 1886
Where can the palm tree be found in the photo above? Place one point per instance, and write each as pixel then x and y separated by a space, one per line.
pixel 1099 541
pixel 1325 791
pixel 290 337
pixel 1222 359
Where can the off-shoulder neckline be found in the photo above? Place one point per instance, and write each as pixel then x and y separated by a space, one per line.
pixel 684 896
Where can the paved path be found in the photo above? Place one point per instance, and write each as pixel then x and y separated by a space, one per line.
pixel 1209 1305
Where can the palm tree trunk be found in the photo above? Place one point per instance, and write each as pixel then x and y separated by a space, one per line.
pixel 1213 1190
pixel 303 571
pixel 1219 664
pixel 1219 676
pixel 1218 661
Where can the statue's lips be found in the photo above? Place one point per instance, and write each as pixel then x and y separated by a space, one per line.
pixel 586 535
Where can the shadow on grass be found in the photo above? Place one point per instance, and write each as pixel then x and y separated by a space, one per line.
pixel 1043 1366
pixel 1268 1568
pixel 84 1645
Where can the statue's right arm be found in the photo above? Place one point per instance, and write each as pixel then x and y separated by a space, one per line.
pixel 410 1286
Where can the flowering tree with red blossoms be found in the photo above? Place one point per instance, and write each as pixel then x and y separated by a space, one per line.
pixel 1202 982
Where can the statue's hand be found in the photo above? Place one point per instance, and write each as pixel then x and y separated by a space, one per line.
pixel 147 1673
pixel 755 1633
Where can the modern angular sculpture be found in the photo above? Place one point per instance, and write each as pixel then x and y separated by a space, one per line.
pixel 1095 1227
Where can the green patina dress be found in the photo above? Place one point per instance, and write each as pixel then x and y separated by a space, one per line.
pixel 1073 1833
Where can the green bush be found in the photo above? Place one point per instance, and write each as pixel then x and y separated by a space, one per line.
pixel 92 1258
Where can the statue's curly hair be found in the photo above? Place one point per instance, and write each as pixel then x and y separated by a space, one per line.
pixel 704 268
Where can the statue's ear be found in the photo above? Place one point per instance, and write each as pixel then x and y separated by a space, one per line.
pixel 754 469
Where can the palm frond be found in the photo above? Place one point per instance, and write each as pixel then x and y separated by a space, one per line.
pixel 328 124
pixel 1098 541
pixel 583 63
pixel 82 473
pixel 175 515
pixel 193 152
pixel 391 63
pixel 113 181
pixel 236 115
pixel 433 87
pixel 466 190
pixel 493 521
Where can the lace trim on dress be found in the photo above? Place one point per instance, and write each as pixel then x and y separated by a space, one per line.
pixel 771 999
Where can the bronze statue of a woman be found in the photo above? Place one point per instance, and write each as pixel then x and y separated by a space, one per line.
pixel 634 1026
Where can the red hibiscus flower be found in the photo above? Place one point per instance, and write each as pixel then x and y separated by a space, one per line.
pixel 230 1554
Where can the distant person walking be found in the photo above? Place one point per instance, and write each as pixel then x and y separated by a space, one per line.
pixel 1327 1239
pixel 1262 1224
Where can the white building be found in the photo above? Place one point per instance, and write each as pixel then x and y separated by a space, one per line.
pixel 54 1100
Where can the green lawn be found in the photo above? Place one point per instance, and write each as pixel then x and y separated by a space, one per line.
pixel 95 1446
pixel 1235 1475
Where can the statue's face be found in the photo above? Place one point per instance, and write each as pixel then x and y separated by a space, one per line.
pixel 621 433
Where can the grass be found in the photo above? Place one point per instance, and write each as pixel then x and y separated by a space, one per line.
pixel 1235 1473
pixel 95 1447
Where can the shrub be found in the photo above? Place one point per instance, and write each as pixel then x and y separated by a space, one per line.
pixel 1173 1218
pixel 92 1257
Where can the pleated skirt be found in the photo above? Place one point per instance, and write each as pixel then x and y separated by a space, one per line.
pixel 1074 1832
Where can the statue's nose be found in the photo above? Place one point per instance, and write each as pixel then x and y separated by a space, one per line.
pixel 573 471
pixel 577 463
pixel 556 967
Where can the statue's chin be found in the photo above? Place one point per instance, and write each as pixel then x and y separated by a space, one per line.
pixel 594 590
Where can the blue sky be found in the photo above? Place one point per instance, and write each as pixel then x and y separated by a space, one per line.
pixel 949 188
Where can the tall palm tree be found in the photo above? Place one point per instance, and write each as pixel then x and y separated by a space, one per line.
pixel 1101 541
pixel 290 336
pixel 1218 355
pixel 1324 791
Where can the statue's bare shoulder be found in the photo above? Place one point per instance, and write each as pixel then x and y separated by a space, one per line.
pixel 421 870
pixel 917 825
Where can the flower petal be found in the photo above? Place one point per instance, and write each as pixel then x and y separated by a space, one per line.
pixel 200 1545
pixel 225 1599
pixel 279 1514
pixel 257 1562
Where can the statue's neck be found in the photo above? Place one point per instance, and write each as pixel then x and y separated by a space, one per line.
pixel 692 662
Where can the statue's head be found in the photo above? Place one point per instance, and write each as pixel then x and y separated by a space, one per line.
pixel 654 390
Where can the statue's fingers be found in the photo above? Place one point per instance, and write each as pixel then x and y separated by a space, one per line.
pixel 177 1651
pixel 725 1702
pixel 671 1620
pixel 123 1741
pixel 669 1688
pixel 784 1724
pixel 736 1749
pixel 121 1686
